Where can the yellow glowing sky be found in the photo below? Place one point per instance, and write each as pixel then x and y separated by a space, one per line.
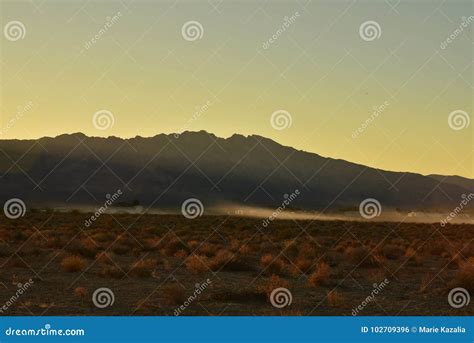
pixel 319 70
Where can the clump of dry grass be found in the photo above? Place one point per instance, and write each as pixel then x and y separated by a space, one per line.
pixel 143 268
pixel 301 265
pixel 150 244
pixel 359 255
pixel 237 247
pixel 193 244
pixel 103 237
pixel 222 257
pixel 173 246
pixel 208 249
pixel 335 299
pixel 271 264
pixel 197 264
pixel 321 274
pixel 80 292
pixel 111 272
pixel 73 264
pixel 308 250
pixel 181 254
pixel 413 256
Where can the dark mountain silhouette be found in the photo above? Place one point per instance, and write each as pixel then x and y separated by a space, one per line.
pixel 165 170
pixel 456 180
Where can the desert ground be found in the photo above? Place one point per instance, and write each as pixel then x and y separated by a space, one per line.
pixel 155 265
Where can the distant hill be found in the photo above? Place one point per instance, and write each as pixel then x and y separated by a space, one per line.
pixel 165 170
pixel 455 180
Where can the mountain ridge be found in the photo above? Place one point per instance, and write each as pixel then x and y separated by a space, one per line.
pixel 165 169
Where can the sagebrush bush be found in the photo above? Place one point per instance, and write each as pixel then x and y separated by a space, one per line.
pixel 73 264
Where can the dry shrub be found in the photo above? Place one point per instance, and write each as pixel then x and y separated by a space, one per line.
pixel 103 237
pixel 173 246
pixel 73 264
pixel 86 247
pixel 226 260
pixel 80 292
pixel 234 245
pixel 197 264
pixel 245 250
pixel 302 265
pixel 413 256
pixel 208 249
pixel 242 249
pixel 320 275
pixel 111 272
pixel 335 299
pixel 271 264
pixel 358 255
pixel 150 244
pixel 181 254
pixel 193 244
pixel 308 250
pixel 143 268
pixel 222 257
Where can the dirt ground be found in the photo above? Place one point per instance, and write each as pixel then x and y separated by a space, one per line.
pixel 218 265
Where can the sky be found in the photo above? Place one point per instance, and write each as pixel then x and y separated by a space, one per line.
pixel 382 83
